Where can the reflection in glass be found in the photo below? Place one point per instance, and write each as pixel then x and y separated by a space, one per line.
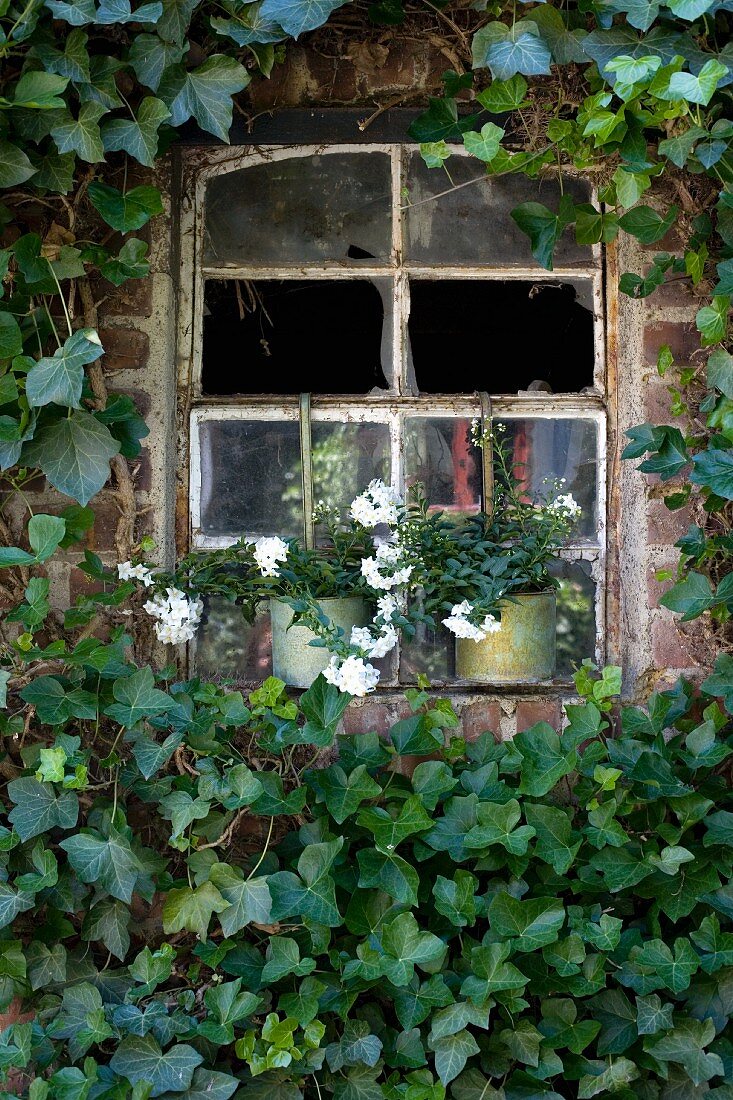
pixel 545 450
pixel 430 653
pixel 250 478
pixel 345 458
pixel 473 224
pixel 331 207
pixel 576 617
pixel 227 646
pixel 440 456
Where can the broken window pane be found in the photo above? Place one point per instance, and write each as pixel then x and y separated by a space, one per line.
pixel 250 478
pixel 331 207
pixel 471 335
pixel 345 458
pixel 440 457
pixel 544 450
pixel 576 616
pixel 295 336
pixel 473 224
pixel 227 646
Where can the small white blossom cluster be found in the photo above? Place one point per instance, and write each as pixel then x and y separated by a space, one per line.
pixel 459 623
pixel 567 504
pixel 377 504
pixel 389 605
pixel 353 675
pixel 177 614
pixel 126 571
pixel 386 569
pixel 267 553
pixel 379 646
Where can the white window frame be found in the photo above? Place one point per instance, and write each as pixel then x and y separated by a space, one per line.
pixel 390 406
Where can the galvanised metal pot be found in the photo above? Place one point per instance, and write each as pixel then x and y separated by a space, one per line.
pixel 523 651
pixel 293 659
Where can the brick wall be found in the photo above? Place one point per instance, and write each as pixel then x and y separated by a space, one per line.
pixel 138 330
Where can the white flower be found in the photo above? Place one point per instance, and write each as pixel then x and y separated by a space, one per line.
pixel 377 504
pixel 383 644
pixel 360 637
pixel 458 623
pixel 178 616
pixel 353 675
pixel 566 504
pixel 388 606
pixel 267 553
pixel 126 571
pixel 386 569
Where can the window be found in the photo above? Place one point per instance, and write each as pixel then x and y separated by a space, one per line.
pixel 393 295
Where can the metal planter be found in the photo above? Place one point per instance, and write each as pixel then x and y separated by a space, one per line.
pixel 293 659
pixel 523 651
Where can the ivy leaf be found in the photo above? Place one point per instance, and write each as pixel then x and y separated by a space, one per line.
pixel 140 1058
pixel 496 825
pixel 484 145
pixel 390 873
pixel 46 965
pixel 673 971
pixel 205 93
pixel 646 224
pixel 690 597
pixel 81 135
pixel 74 454
pixel 521 53
pixel 405 946
pixel 108 922
pixel 556 843
pixel 310 893
pixel 344 794
pixel 454 898
pixel 712 320
pixel 125 210
pixel 297 16
pixel 440 122
pixel 38 808
pixel 138 136
pixel 503 95
pixel 106 861
pixel 151 54
pixel 714 469
pixel 13 902
pixel 532 923
pixel 129 263
pixel 652 1015
pixel 609 1076
pixel 720 371
pixel 389 832
pixel 151 756
pixel 120 11
pixel 356 1046
pixel 491 973
pixel 696 89
pixel 544 763
pixel 192 909
pixel 11 341
pixel 249 899
pixel 75 12
pixel 59 378
pixel 137 697
pixel 685 1046
pixel 451 1054
pixel 543 228
pixel 15 167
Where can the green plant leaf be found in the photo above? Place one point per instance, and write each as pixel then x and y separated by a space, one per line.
pixel 137 697
pixel 205 93
pixel 451 1054
pixel 106 861
pixel 646 224
pixel 138 136
pixel 140 1058
pixel 249 899
pixel 59 378
pixel 39 808
pixel 532 923
pixel 310 893
pixel 544 763
pixel 297 16
pixel 74 454
pixel 125 210
pixel 192 908
pixel 15 167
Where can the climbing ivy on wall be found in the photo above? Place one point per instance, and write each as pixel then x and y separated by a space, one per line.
pixel 187 907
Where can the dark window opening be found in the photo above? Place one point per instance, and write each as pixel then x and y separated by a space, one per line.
pixel 293 336
pixel 501 337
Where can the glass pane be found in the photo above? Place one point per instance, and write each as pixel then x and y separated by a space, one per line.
pixel 501 336
pixel 545 450
pixel 439 454
pixel 430 653
pixel 345 458
pixel 331 207
pixel 473 224
pixel 250 478
pixel 228 646
pixel 576 616
pixel 292 335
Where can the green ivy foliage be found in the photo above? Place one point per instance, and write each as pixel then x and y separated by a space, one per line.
pixel 548 917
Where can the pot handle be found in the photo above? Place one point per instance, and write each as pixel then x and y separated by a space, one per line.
pixel 306 456
pixel 487 453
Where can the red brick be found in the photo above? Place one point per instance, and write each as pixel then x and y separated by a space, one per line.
pixel 531 711
pixel 133 299
pixel 663 525
pixel 669 648
pixel 81 585
pixel 124 348
pixel 671 242
pixel 657 403
pixel 655 589
pixel 367 718
pixel 683 339
pixel 477 718
pixel 676 291
pixel 106 515
pixel 142 471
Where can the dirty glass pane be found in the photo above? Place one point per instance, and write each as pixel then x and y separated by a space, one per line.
pixel 473 224
pixel 250 478
pixel 544 450
pixel 227 646
pixel 576 617
pixel 345 458
pixel 330 207
pixel 440 456
pixel 430 653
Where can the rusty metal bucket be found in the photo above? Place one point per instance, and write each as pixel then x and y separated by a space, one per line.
pixel 523 651
pixel 293 659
